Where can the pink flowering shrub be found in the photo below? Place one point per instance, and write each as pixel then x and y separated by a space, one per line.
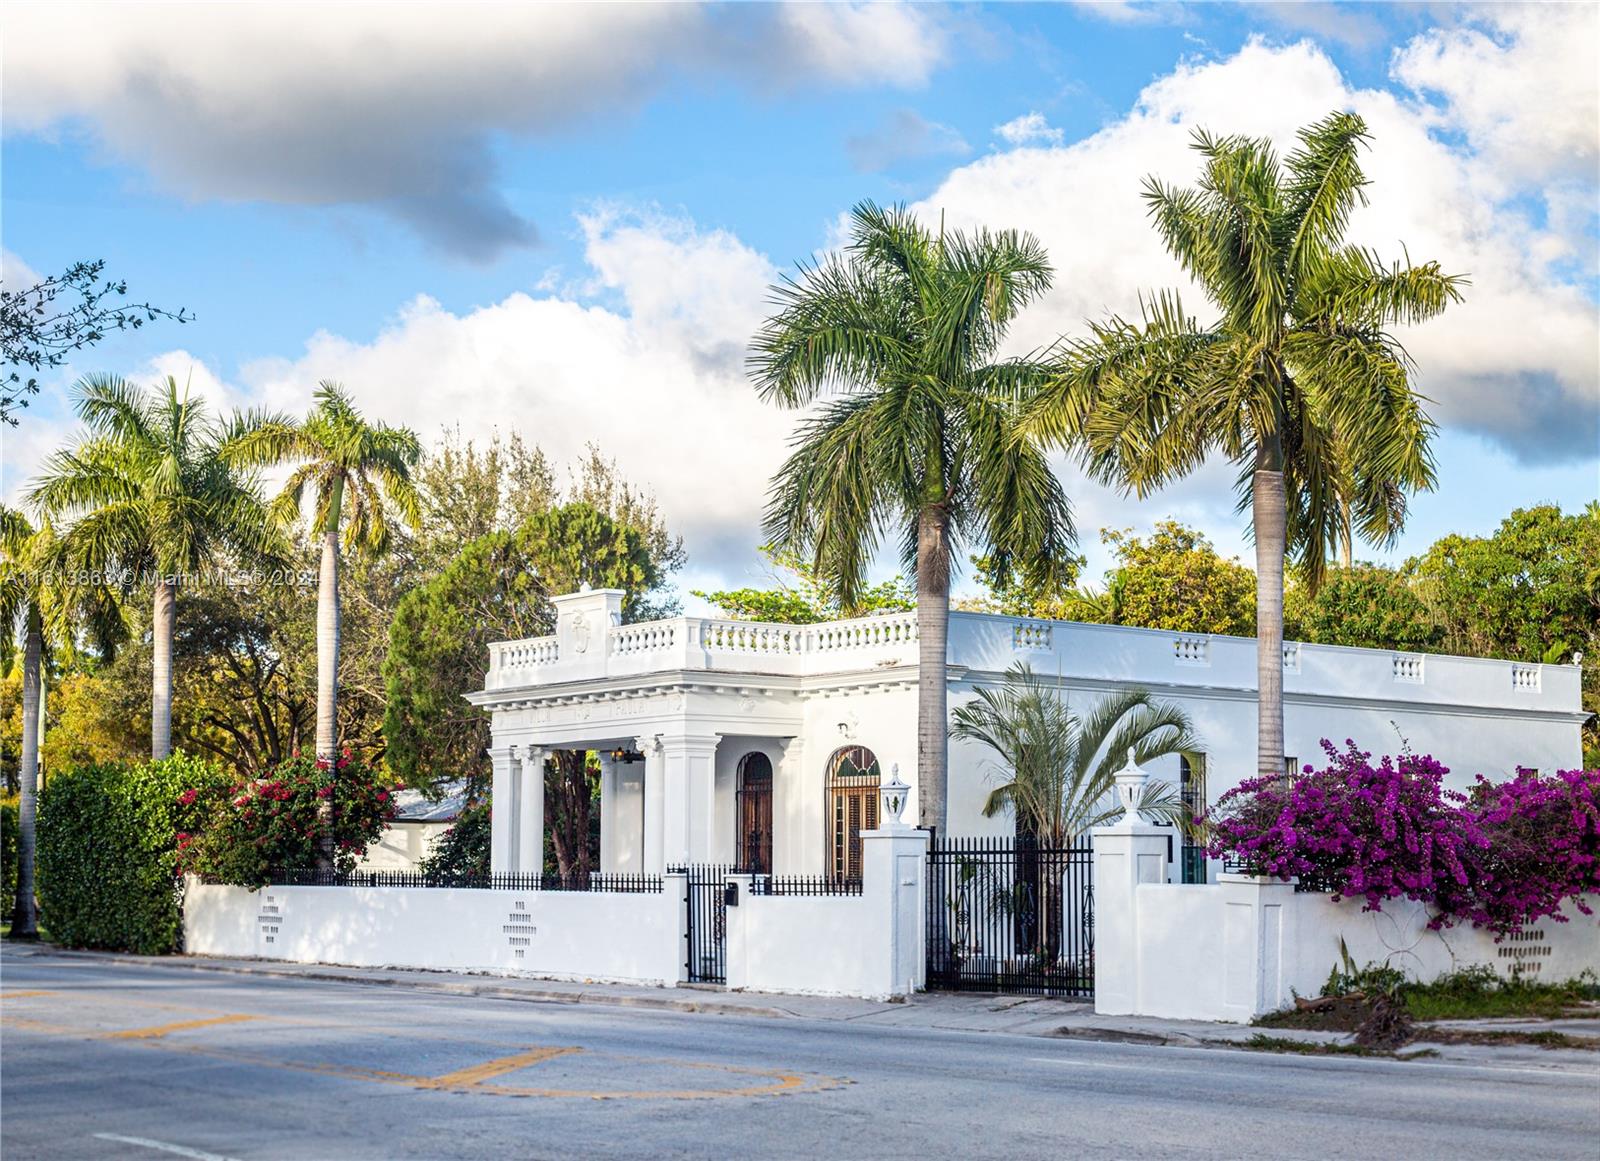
pixel 1501 857
pixel 1543 848
pixel 275 822
pixel 1380 831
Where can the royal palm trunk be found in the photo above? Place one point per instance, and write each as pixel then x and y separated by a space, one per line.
pixel 933 629
pixel 328 669
pixel 1268 515
pixel 161 626
pixel 24 914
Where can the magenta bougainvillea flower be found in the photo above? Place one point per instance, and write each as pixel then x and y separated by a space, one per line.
pixel 1500 857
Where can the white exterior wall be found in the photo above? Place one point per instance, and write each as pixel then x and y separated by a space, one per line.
pixel 1243 946
pixel 402 846
pixel 618 937
pixel 868 945
pixel 690 687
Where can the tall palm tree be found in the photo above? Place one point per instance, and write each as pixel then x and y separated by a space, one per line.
pixel 915 428
pixel 351 471
pixel 152 500
pixel 40 604
pixel 1298 381
pixel 1059 768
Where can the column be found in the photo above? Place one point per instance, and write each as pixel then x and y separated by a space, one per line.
pixel 502 809
pixel 688 797
pixel 655 861
pixel 894 865
pixel 797 826
pixel 609 792
pixel 530 812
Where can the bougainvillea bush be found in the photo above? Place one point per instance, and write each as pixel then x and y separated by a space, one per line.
pixel 274 822
pixel 1501 857
pixel 1380 831
pixel 1543 848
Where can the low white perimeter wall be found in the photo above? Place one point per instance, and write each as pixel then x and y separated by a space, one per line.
pixel 1244 946
pixel 868 945
pixel 583 935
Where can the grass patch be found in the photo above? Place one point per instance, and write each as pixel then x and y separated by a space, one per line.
pixel 1545 1038
pixel 1477 993
pixel 1261 1042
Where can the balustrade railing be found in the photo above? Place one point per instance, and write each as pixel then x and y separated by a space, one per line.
pixel 645 637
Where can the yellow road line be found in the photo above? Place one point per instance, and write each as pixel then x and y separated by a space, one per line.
pixel 160 1030
pixel 493 1068
pixel 20 995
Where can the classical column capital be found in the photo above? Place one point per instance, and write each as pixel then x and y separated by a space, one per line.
pixel 504 755
pixel 690 743
pixel 649 744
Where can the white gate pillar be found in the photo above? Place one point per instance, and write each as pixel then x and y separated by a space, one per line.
pixel 1127 853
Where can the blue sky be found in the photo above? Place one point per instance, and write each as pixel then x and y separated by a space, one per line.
pixel 562 222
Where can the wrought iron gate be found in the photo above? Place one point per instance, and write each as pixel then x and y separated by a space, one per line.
pixel 706 930
pixel 1011 915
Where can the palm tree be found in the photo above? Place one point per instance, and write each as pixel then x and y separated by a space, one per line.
pixel 41 604
pixel 1059 768
pixel 915 431
pixel 349 470
pixel 152 499
pixel 1297 381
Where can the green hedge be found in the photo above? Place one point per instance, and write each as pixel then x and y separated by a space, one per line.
pixel 108 852
pixel 9 825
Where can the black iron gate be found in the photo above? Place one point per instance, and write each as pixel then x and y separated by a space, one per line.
pixel 706 930
pixel 1011 915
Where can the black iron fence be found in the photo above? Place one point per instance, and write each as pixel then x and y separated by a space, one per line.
pixel 1011 915
pixel 593 881
pixel 1193 869
pixel 706 926
pixel 803 885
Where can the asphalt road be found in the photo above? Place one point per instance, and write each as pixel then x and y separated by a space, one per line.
pixel 113 1060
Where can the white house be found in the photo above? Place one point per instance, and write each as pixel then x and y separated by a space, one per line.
pixel 418 823
pixel 761 745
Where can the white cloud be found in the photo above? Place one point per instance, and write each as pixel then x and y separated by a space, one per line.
pixel 1517 362
pixel 1029 129
pixel 394 106
pixel 903 135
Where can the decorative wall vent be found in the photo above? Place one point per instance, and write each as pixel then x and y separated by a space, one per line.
pixel 1291 657
pixel 1191 650
pixel 1525 678
pixel 1032 635
pixel 1408 668
pixel 1523 952
pixel 519 929
pixel 269 918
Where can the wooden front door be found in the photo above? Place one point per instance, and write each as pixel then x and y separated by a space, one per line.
pixel 852 808
pixel 755 814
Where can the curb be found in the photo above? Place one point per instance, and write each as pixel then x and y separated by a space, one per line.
pixel 440 987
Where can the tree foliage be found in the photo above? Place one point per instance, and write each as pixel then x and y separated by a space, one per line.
pixel 800 597
pixel 43 325
pixel 499 588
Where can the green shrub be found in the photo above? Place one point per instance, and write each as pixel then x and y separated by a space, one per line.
pixel 272 823
pixel 461 854
pixel 8 855
pixel 107 858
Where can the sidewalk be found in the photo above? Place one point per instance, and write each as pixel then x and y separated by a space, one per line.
pixel 935 1011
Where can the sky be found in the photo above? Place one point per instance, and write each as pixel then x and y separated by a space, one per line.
pixel 564 221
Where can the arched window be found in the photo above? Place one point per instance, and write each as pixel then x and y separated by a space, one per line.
pixel 755 814
pixel 853 777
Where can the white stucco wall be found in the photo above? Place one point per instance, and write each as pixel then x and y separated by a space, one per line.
pixel 613 936
pixel 1237 948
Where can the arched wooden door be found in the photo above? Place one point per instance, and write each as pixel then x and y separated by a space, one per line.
pixel 853 778
pixel 755 814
